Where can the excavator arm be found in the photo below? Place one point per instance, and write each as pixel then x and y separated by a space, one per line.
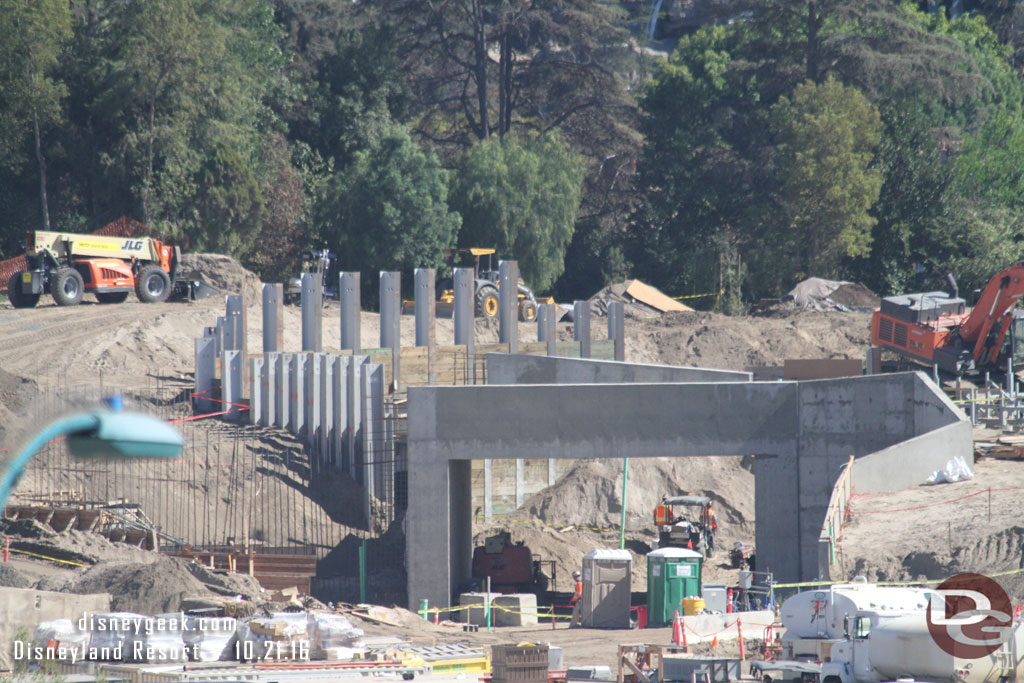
pixel 988 323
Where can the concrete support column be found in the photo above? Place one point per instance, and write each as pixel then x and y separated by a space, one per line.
pixel 235 317
pixel 464 319
pixel 284 394
pixel 339 408
pixel 206 370
pixel 546 326
pixel 617 328
pixel 425 310
pixel 219 328
pixel 581 326
pixel 552 471
pixel 312 312
pixel 508 304
pixel 326 437
pixel 256 414
pixel 427 517
pixel 297 406
pixel 311 395
pixel 273 317
pixel 355 414
pixel 372 399
pixel 268 388
pixel 349 294
pixel 231 383
pixel 390 320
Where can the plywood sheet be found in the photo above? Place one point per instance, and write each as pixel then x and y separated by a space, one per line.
pixel 654 298
pixel 822 368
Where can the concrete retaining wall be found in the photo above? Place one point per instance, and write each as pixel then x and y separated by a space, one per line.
pixel 919 456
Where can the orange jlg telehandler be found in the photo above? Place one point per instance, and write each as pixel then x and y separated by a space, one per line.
pixel 68 265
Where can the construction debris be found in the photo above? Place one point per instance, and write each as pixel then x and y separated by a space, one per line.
pixel 818 294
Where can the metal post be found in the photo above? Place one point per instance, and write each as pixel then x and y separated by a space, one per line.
pixel 273 317
pixel 312 313
pixel 464 321
pixel 348 292
pixel 425 311
pixel 508 304
pixel 581 326
pixel 390 320
pixel 542 324
pixel 617 329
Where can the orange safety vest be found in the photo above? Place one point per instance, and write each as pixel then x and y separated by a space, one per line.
pixel 578 593
pixel 662 514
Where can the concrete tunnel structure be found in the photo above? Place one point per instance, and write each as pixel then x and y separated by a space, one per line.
pixel 801 434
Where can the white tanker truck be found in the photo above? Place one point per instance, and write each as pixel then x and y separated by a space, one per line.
pixel 864 633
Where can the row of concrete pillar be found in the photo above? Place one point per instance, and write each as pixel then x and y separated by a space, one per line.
pixel 424 291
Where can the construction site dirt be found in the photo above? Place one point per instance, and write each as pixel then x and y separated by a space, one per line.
pixel 54 359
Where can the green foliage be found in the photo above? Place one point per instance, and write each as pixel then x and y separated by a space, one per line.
pixel 521 198
pixel 705 167
pixel 826 136
pixel 388 210
pixel 229 210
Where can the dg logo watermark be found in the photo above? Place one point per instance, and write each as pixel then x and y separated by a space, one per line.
pixel 971 617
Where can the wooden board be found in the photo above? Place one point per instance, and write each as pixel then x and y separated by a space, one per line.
pixel 654 298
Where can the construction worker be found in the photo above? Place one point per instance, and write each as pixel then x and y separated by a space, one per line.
pixel 577 596
pixel 711 524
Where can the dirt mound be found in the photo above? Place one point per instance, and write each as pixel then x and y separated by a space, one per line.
pixel 855 294
pixel 17 395
pixel 224 273
pixel 590 494
pixel 152 587
pixel 588 498
pixel 12 578
pixel 713 340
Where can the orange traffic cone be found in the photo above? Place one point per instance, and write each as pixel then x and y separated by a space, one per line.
pixel 714 642
pixel 676 637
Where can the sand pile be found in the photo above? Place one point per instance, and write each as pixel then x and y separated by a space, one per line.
pixel 582 510
pixel 224 273
pixel 590 494
pixel 16 397
pixel 713 340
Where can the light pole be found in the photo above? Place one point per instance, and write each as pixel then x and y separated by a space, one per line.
pixel 97 434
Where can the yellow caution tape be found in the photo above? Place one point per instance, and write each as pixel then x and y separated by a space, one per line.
pixel 51 559
pixel 697 296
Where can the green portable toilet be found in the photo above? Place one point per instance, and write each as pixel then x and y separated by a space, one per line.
pixel 672 574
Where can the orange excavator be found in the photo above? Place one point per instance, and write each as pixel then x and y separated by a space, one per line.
pixel 937 329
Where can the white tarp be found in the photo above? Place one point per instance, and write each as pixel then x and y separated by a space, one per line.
pixel 955 470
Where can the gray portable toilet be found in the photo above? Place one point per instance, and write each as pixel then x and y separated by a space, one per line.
pixel 606 589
